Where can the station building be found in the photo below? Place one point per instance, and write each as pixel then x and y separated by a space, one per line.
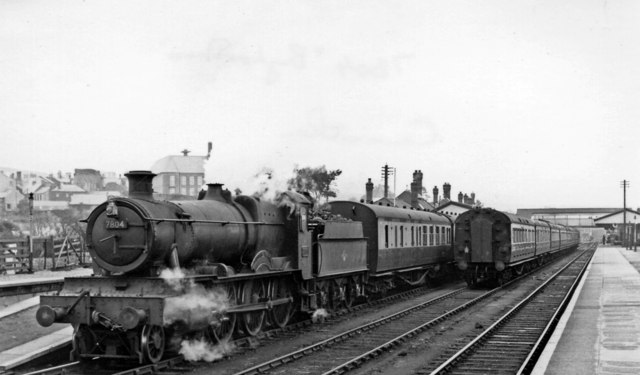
pixel 593 223
pixel 179 176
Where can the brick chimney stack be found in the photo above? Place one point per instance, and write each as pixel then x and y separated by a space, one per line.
pixel 369 189
pixel 435 195
pixel 417 177
pixel 446 190
pixel 473 198
pixel 460 196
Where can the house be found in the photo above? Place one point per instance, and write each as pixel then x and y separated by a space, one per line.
pixel 9 200
pixel 89 180
pixel 179 175
pixel 63 192
pixel 614 224
pixel 10 195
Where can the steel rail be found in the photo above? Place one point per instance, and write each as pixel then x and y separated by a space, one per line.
pixel 341 337
pixel 449 363
pixel 61 369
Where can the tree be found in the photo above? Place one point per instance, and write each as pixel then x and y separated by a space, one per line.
pixel 317 181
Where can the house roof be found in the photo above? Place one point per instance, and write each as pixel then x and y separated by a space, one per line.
pixel 405 198
pixel 179 164
pixel 69 188
pixel 92 199
pixel 617 213
pixel 50 205
pixel 529 212
pixel 452 203
pixel 8 193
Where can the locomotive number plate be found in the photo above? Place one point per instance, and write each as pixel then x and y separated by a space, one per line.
pixel 115 224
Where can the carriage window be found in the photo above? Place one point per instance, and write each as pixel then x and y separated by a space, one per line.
pixel 419 236
pixel 386 236
pixel 401 235
pixel 437 236
pixel 425 236
pixel 412 240
pixel 448 235
pixel 395 244
pixel 431 241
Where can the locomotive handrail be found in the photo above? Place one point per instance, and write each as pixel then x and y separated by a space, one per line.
pixel 223 222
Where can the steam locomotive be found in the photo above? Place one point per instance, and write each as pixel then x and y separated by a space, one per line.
pixel 495 246
pixel 219 266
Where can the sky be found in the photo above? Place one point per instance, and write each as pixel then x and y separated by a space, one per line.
pixel 529 104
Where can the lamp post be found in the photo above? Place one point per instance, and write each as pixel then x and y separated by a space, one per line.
pixel 624 184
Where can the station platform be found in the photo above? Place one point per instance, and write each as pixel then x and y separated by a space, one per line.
pixel 599 332
pixel 26 351
pixel 40 276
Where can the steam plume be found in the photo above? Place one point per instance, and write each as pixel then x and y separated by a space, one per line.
pixel 201 350
pixel 196 306
pixel 319 316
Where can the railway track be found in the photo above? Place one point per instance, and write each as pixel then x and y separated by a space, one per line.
pixel 513 343
pixel 349 350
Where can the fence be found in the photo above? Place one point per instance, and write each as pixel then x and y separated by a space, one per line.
pixel 47 252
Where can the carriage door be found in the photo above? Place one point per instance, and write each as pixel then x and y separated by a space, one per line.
pixel 481 249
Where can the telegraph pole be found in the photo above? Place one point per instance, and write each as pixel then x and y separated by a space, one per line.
pixel 31 233
pixel 386 171
pixel 624 184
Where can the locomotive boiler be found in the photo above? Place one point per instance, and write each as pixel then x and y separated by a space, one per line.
pixel 141 235
pixel 494 246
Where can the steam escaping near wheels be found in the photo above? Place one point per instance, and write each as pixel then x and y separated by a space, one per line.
pixel 197 307
pixel 203 350
pixel 319 316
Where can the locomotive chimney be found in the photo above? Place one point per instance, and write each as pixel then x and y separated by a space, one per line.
pixel 446 190
pixel 460 196
pixel 369 189
pixel 214 192
pixel 140 184
pixel 435 195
